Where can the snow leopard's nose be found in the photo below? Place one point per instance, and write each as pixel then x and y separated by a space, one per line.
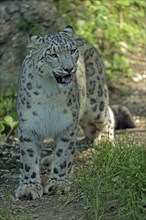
pixel 69 69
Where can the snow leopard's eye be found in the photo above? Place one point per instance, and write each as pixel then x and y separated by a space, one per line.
pixel 54 55
pixel 73 51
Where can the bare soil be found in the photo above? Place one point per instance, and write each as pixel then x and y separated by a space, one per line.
pixel 130 92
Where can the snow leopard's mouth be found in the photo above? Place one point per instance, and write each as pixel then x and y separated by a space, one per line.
pixel 63 80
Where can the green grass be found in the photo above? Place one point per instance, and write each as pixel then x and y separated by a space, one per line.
pixel 8 115
pixel 113 182
pixel 8 102
pixel 6 213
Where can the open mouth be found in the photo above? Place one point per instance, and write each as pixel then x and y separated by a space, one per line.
pixel 65 80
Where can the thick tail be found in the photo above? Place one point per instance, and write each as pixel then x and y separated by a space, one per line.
pixel 123 117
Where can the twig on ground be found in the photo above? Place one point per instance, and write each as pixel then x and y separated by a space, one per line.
pixel 70 200
pixel 130 131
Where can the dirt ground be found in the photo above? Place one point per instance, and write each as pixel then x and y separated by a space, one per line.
pixel 125 91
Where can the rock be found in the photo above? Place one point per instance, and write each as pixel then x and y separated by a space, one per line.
pixel 19 19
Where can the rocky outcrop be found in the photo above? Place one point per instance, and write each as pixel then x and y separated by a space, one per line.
pixel 19 19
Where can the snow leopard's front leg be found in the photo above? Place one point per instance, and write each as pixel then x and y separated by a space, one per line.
pixel 61 167
pixel 30 181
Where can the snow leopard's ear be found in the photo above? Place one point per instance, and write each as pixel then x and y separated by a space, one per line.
pixel 34 41
pixel 69 29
